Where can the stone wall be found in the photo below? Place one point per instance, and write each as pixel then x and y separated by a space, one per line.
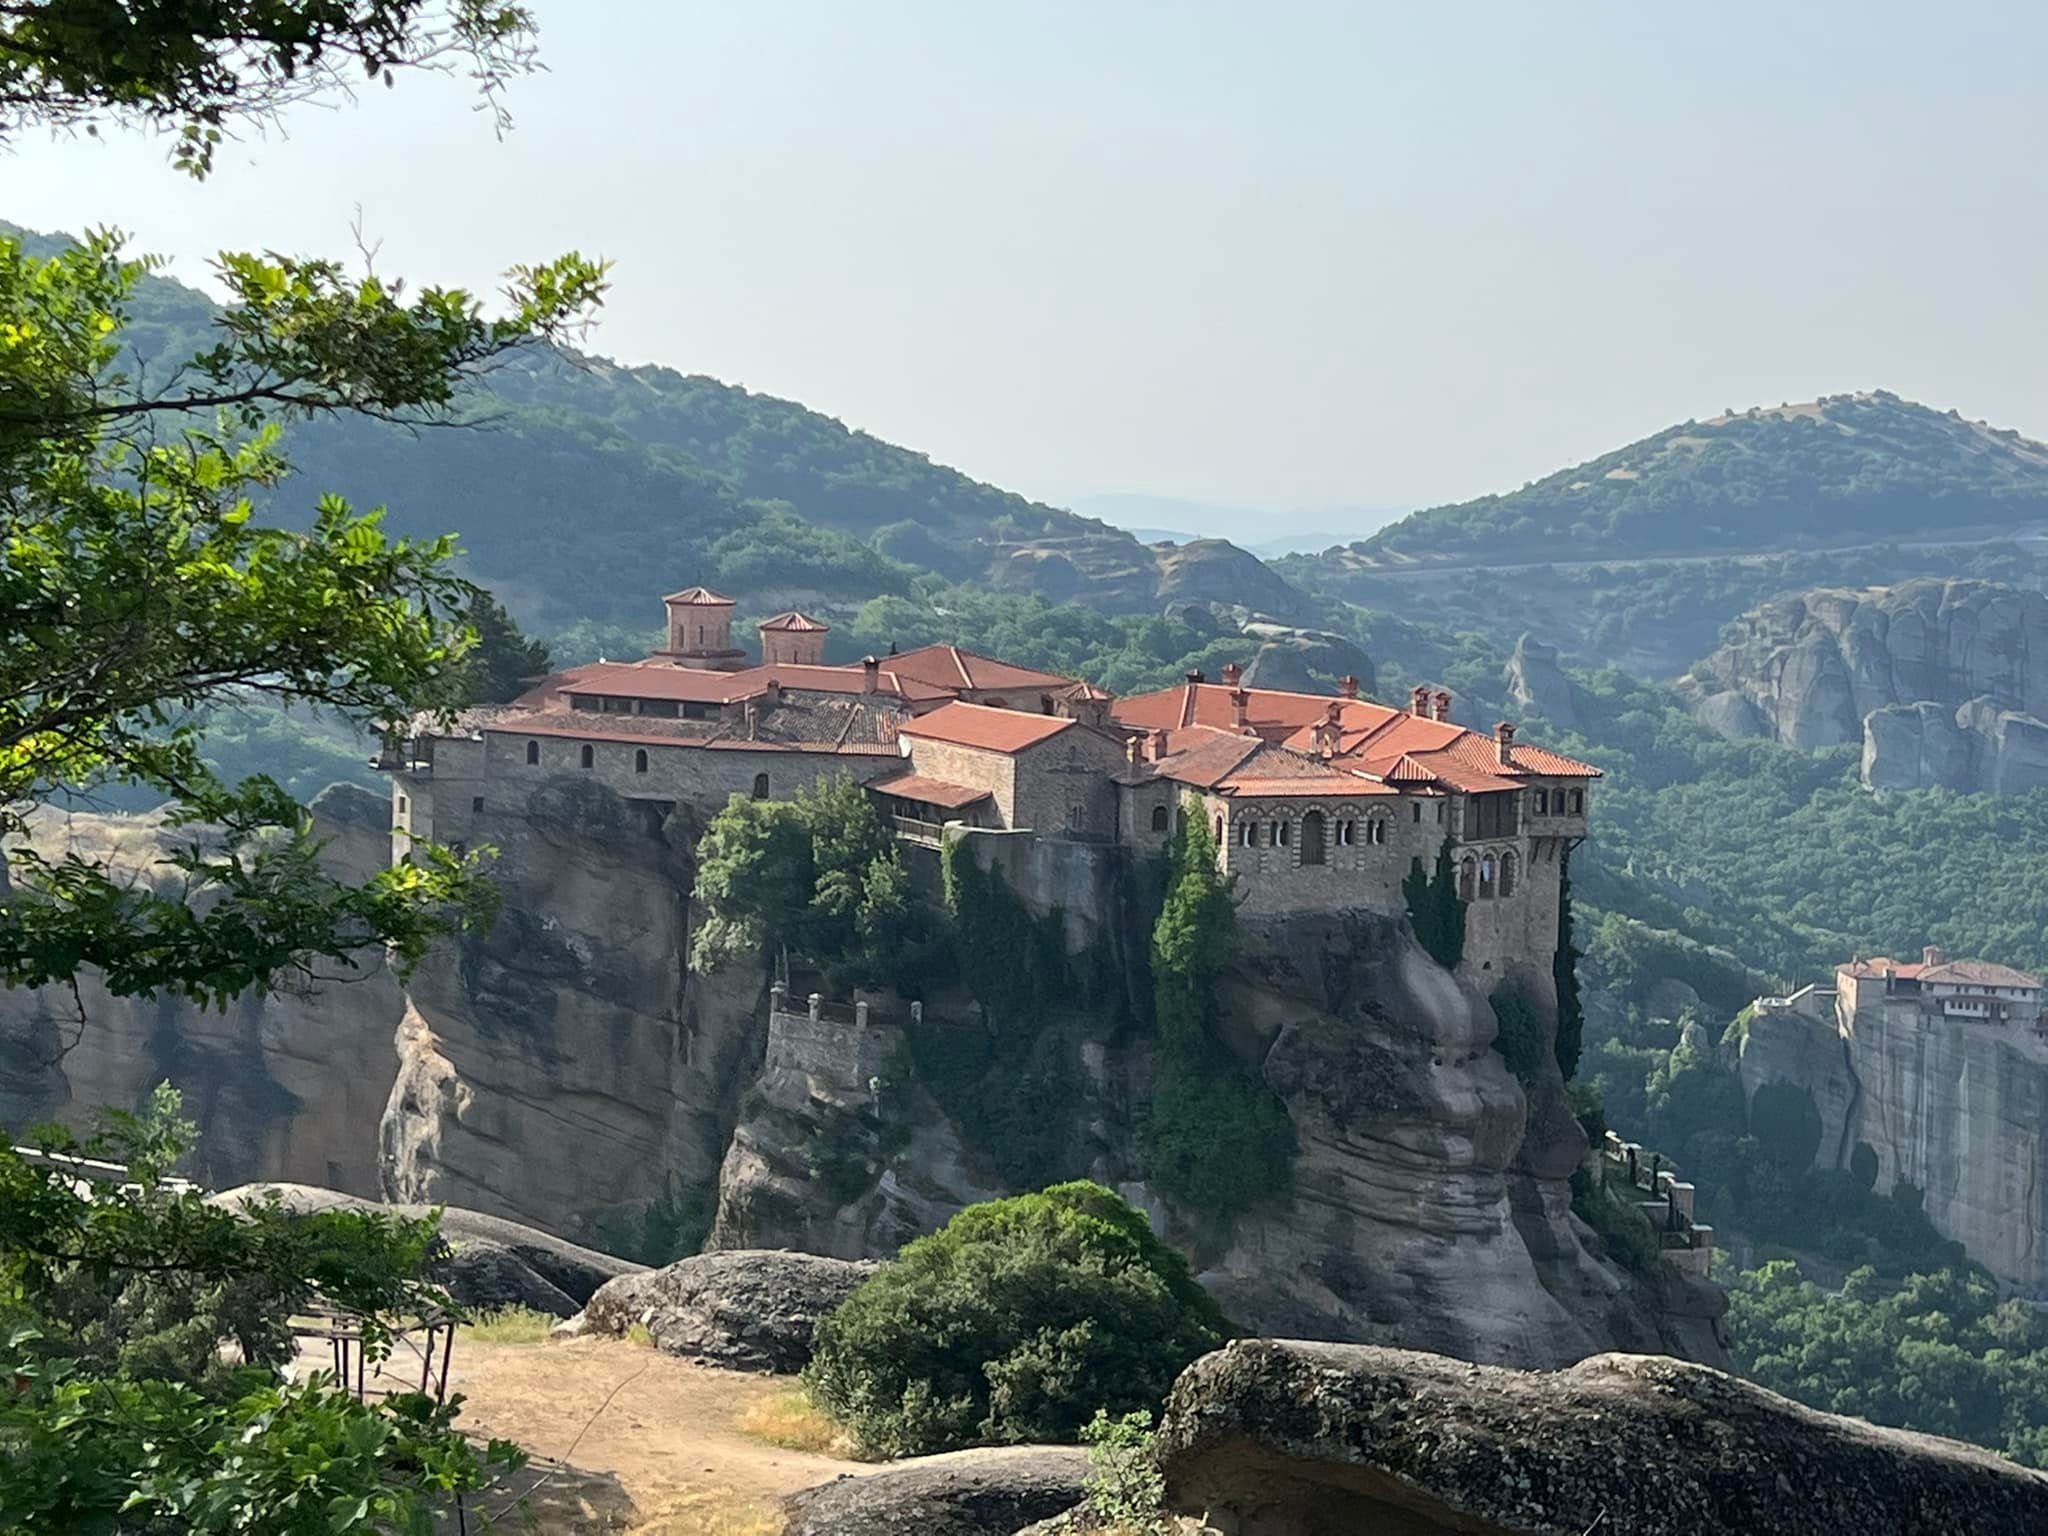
pixel 1068 777
pixel 995 773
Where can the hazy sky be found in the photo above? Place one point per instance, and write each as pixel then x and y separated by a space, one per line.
pixel 1290 256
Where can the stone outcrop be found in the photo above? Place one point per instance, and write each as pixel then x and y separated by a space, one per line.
pixel 1291 1439
pixel 1305 660
pixel 1218 573
pixel 1536 682
pixel 485 1261
pixel 965 1493
pixel 285 1086
pixel 1953 1108
pixel 1943 682
pixel 566 1068
pixel 743 1310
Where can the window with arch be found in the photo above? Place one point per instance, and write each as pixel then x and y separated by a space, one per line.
pixel 1468 878
pixel 640 760
pixel 1508 873
pixel 532 753
pixel 1376 831
pixel 1312 838
pixel 1282 834
pixel 760 786
pixel 1160 818
pixel 1219 831
pixel 1248 832
pixel 1489 874
pixel 589 755
pixel 1347 833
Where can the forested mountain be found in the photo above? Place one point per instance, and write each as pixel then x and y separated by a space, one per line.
pixel 1840 470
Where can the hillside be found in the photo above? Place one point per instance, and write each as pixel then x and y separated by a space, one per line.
pixel 1844 469
pixel 573 477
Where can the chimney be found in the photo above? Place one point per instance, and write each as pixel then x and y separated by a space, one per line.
pixel 1933 954
pixel 753 719
pixel 1329 731
pixel 1240 708
pixel 1347 687
pixel 1131 750
pixel 1157 743
pixel 1196 677
pixel 1233 674
pixel 1418 701
pixel 1443 704
pixel 870 674
pixel 1504 743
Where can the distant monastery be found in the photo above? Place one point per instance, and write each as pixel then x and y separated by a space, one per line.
pixel 1317 802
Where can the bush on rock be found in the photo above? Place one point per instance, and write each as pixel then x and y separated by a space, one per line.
pixel 1014 1322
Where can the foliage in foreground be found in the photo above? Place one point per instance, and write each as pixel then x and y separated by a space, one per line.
pixel 115 1298
pixel 1014 1322
pixel 1937 1352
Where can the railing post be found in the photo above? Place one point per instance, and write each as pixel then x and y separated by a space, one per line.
pixel 778 997
pixel 860 1015
pixel 816 1003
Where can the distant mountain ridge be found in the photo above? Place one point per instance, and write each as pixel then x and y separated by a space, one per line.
pixel 1841 469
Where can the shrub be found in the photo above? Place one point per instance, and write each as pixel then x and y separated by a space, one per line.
pixel 1126 1489
pixel 1522 1041
pixel 1014 1322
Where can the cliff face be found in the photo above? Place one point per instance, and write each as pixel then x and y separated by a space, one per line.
pixel 285 1088
pixel 1957 1109
pixel 1944 683
pixel 568 1071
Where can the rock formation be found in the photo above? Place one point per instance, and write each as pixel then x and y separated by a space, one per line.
pixel 1955 1109
pixel 963 1493
pixel 485 1261
pixel 1289 1439
pixel 1537 683
pixel 1943 682
pixel 743 1310
pixel 281 1087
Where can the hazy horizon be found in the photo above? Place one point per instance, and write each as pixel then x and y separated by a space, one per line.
pixel 1326 262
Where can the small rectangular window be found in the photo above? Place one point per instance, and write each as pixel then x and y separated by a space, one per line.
pixel 476 806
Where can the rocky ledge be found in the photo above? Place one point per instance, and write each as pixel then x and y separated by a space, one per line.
pixel 746 1310
pixel 1267 1438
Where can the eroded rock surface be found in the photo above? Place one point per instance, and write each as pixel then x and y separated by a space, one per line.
pixel 1271 1438
pixel 967 1493
pixel 486 1261
pixel 746 1310
pixel 286 1086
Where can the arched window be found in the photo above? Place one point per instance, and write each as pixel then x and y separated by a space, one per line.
pixel 1347 833
pixel 760 786
pixel 1159 818
pixel 589 755
pixel 1468 876
pixel 532 753
pixel 1219 831
pixel 1248 831
pixel 1507 874
pixel 640 760
pixel 1376 831
pixel 1487 876
pixel 1281 834
pixel 1312 838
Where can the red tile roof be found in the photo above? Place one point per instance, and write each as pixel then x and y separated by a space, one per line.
pixel 698 597
pixel 987 729
pixel 853 679
pixel 1203 756
pixel 572 727
pixel 1959 973
pixel 915 786
pixel 661 680
pixel 1269 711
pixel 795 623
pixel 950 667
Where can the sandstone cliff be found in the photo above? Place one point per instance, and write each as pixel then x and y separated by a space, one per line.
pixel 1944 683
pixel 286 1087
pixel 1956 1109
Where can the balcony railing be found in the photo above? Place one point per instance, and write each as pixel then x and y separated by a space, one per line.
pixel 928 833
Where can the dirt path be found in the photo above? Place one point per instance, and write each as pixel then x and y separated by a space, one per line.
pixel 649 1441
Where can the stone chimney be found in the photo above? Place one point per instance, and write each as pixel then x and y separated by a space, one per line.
pixel 1157 744
pixel 1131 750
pixel 870 674
pixel 1443 704
pixel 1240 708
pixel 1418 701
pixel 1196 676
pixel 1347 687
pixel 1933 954
pixel 1329 731
pixel 1504 743
pixel 1233 674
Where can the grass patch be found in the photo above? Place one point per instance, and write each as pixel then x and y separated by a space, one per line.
pixel 712 1512
pixel 792 1421
pixel 511 1325
pixel 639 1335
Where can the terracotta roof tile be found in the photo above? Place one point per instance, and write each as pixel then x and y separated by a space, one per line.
pixel 951 667
pixel 985 728
pixel 699 597
pixel 915 786
pixel 795 623
pixel 1977 973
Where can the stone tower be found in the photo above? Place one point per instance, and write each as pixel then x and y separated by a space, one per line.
pixel 700 631
pixel 794 638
